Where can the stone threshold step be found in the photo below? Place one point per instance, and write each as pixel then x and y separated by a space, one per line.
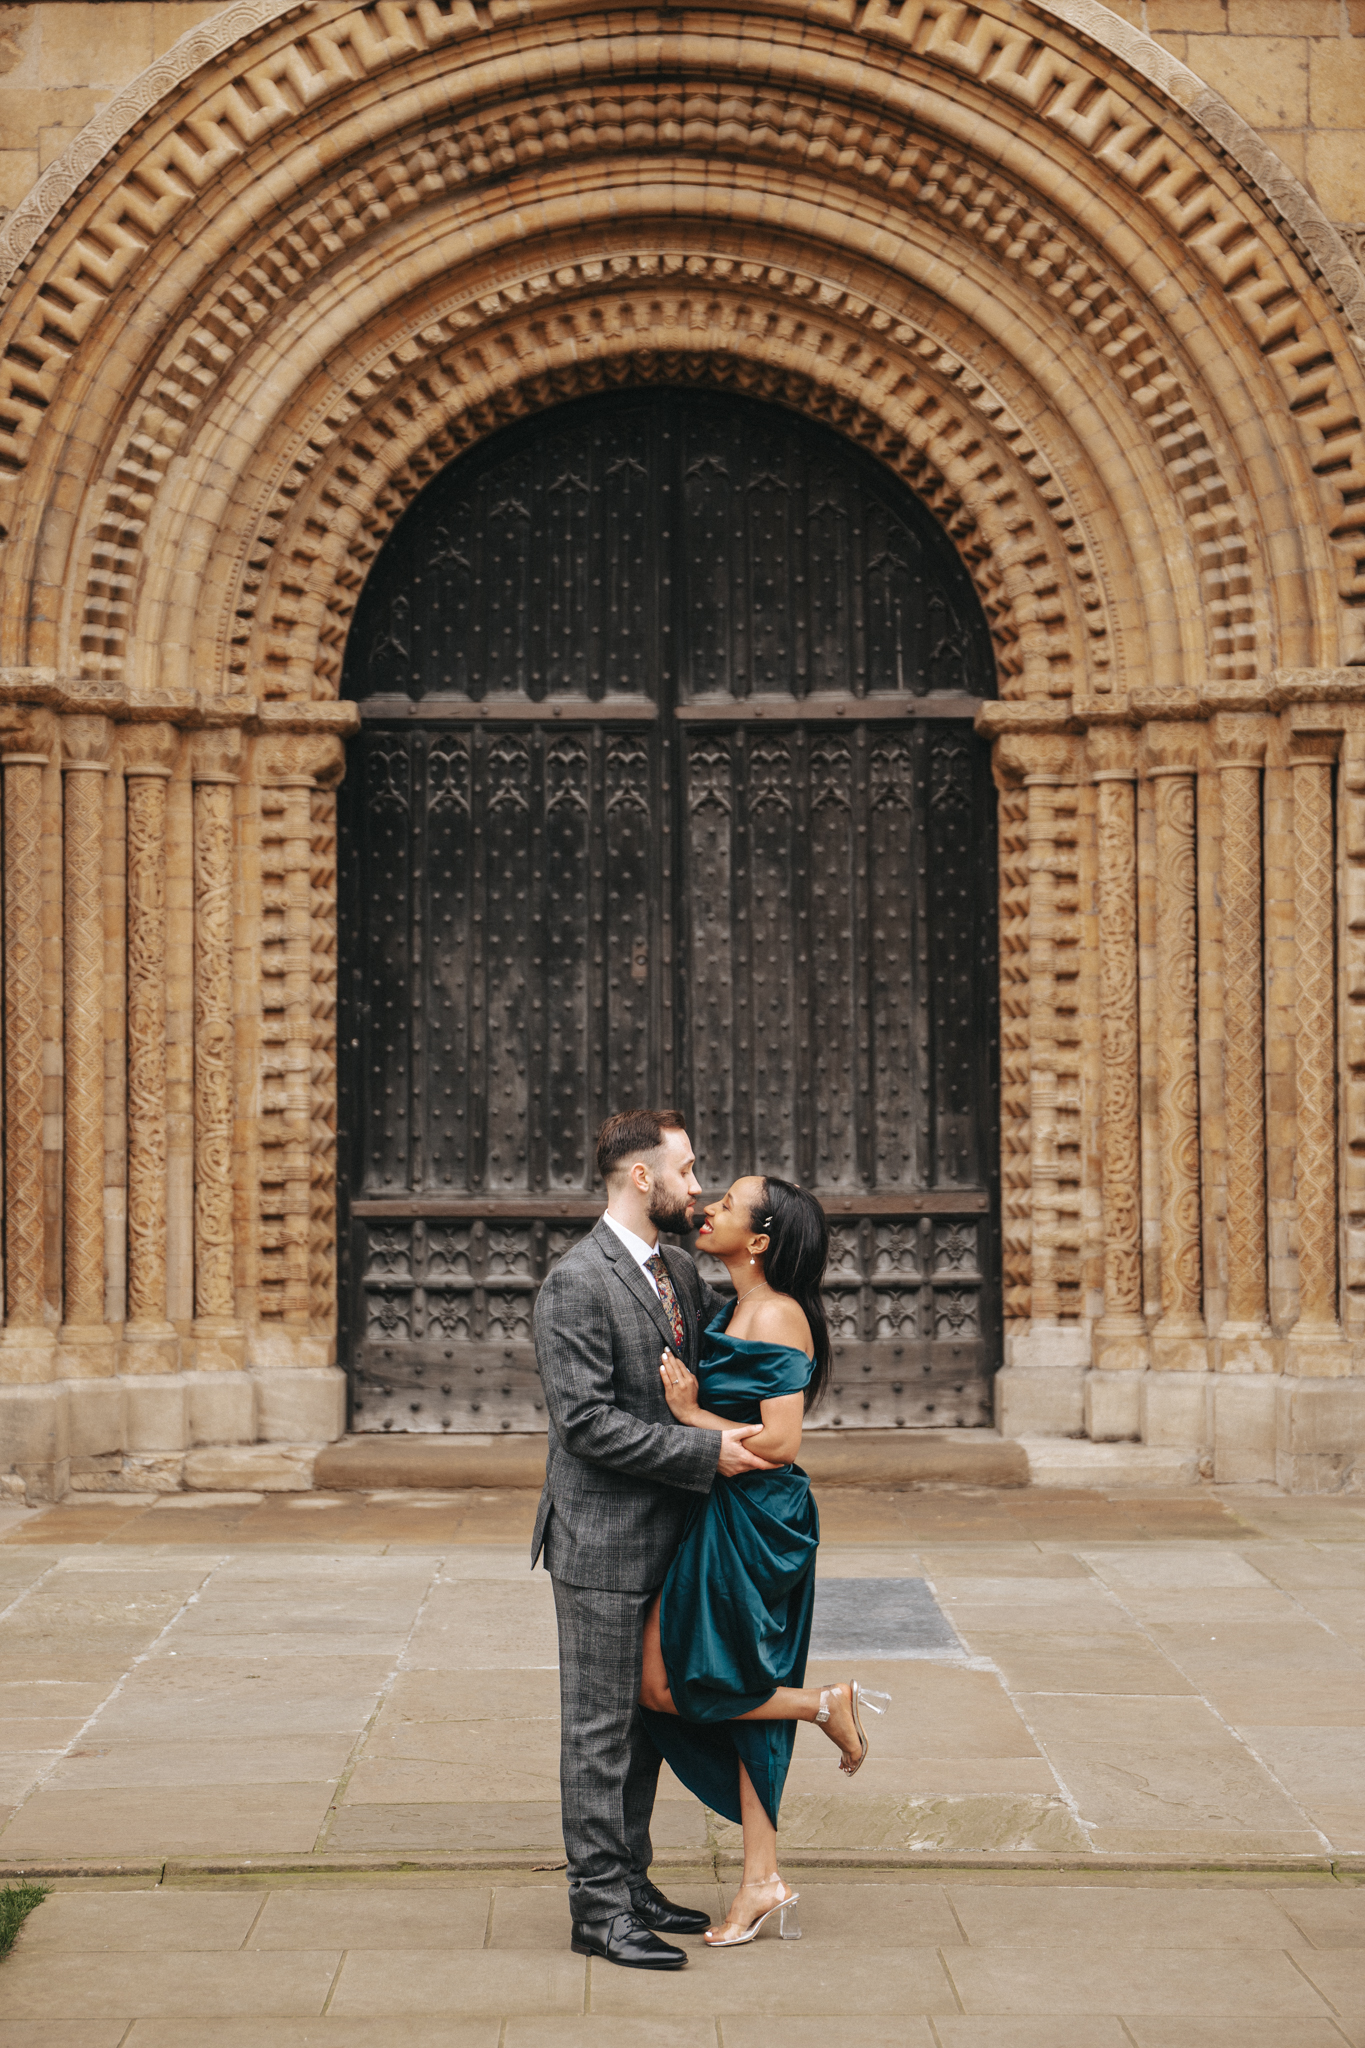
pixel 857 1457
pixel 361 1863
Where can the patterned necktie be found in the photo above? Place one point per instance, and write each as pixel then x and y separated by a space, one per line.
pixel 669 1299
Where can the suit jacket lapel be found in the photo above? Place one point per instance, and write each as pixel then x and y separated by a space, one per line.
pixel 631 1276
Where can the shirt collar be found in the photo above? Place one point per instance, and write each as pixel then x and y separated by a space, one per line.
pixel 641 1252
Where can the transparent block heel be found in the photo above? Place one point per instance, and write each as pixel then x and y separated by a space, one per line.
pixel 789 1926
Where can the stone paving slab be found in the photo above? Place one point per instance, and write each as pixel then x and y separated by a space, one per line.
pixel 1181 1678
pixel 890 1959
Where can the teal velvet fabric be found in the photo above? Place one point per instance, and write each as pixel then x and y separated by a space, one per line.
pixel 735 1611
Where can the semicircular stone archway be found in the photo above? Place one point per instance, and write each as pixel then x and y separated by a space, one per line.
pixel 1022 257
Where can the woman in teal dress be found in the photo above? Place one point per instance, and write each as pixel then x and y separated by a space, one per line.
pixel 726 1640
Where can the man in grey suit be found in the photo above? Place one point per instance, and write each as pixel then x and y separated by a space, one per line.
pixel 619 1478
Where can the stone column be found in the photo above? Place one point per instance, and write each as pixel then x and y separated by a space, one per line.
pixel 1120 1334
pixel 301 1394
pixel 1245 1335
pixel 1317 1347
pixel 87 1344
pixel 27 1345
pixel 150 1343
pixel 1178 1338
pixel 219 1339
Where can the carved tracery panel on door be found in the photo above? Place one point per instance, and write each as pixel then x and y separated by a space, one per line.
pixel 666 620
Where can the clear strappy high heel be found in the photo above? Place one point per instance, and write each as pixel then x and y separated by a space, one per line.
pixel 788 1926
pixel 859 1696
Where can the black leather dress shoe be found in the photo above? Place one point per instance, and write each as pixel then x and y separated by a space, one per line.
pixel 626 1940
pixel 650 1905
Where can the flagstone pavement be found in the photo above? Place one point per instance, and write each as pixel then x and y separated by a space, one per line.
pixel 290 1764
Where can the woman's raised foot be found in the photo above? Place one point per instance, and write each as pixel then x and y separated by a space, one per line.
pixel 841 1720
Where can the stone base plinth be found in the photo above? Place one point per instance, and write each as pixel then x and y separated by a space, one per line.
pixel 300 1407
pixel 87 1351
pixel 217 1346
pixel 1313 1355
pixel 1113 1407
pixel 1320 1435
pixel 1243 1428
pixel 1040 1400
pixel 220 1408
pixel 150 1351
pixel 1175 1409
pixel 34 1440
pixel 1241 1349
pixel 251 1468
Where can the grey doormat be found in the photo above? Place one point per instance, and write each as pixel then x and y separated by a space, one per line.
pixel 880 1618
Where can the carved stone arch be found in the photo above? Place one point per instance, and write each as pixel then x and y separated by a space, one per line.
pixel 1036 567
pixel 1100 139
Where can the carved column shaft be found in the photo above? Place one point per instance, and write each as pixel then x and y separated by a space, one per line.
pixel 23 1041
pixel 297 1051
pixel 1042 1023
pixel 147 1045
pixel 83 988
pixel 1178 1064
pixel 1119 1048
pixel 1244 1044
pixel 1315 1044
pixel 214 1297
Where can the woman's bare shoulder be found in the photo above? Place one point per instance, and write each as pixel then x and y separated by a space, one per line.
pixel 780 1320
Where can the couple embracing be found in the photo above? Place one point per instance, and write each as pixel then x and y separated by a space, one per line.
pixel 679 1533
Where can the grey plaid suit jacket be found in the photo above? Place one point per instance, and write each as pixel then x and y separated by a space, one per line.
pixel 619 1470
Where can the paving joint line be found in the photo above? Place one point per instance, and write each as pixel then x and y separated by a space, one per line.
pixel 357 1747
pixel 189 1601
pixel 1200 1694
pixel 1064 1792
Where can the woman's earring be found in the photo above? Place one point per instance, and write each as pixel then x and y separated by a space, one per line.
pixel 753 1262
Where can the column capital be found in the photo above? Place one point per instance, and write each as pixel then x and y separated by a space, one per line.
pixel 1171 747
pixel 1239 739
pixel 86 742
pixel 1038 757
pixel 1111 751
pixel 217 756
pixel 149 749
pixel 313 760
pixel 28 733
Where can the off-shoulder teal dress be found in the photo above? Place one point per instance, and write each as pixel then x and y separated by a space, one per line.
pixel 735 1611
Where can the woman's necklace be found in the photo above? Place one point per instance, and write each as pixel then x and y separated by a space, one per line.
pixel 748 1291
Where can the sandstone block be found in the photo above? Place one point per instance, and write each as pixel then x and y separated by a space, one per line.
pixel 95 1417
pixel 157 1414
pixel 1113 1407
pixel 1243 1429
pixel 221 1408
pixel 301 1407
pixel 1175 1409
pixel 251 1468
pixel 1320 1436
pixel 1040 1401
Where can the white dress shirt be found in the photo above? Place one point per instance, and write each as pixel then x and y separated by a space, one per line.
pixel 641 1252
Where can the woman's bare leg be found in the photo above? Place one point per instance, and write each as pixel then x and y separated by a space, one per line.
pixel 761 1888
pixel 788 1703
pixel 802 1703
pixel 654 1692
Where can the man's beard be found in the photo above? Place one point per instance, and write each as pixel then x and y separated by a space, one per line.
pixel 669 1213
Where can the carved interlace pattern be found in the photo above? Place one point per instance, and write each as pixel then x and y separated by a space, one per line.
pixel 146 1046
pixel 83 1291
pixel 1244 1044
pixel 1016 1172
pixel 1119 1047
pixel 23 1046
pixel 1177 1059
pixel 213 1048
pixel 1315 1045
pixel 1054 1092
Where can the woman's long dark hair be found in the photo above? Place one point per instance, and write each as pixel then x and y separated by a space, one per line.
pixel 794 1263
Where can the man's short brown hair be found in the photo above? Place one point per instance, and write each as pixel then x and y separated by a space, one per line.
pixel 631 1134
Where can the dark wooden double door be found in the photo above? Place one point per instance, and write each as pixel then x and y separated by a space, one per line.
pixel 666 792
